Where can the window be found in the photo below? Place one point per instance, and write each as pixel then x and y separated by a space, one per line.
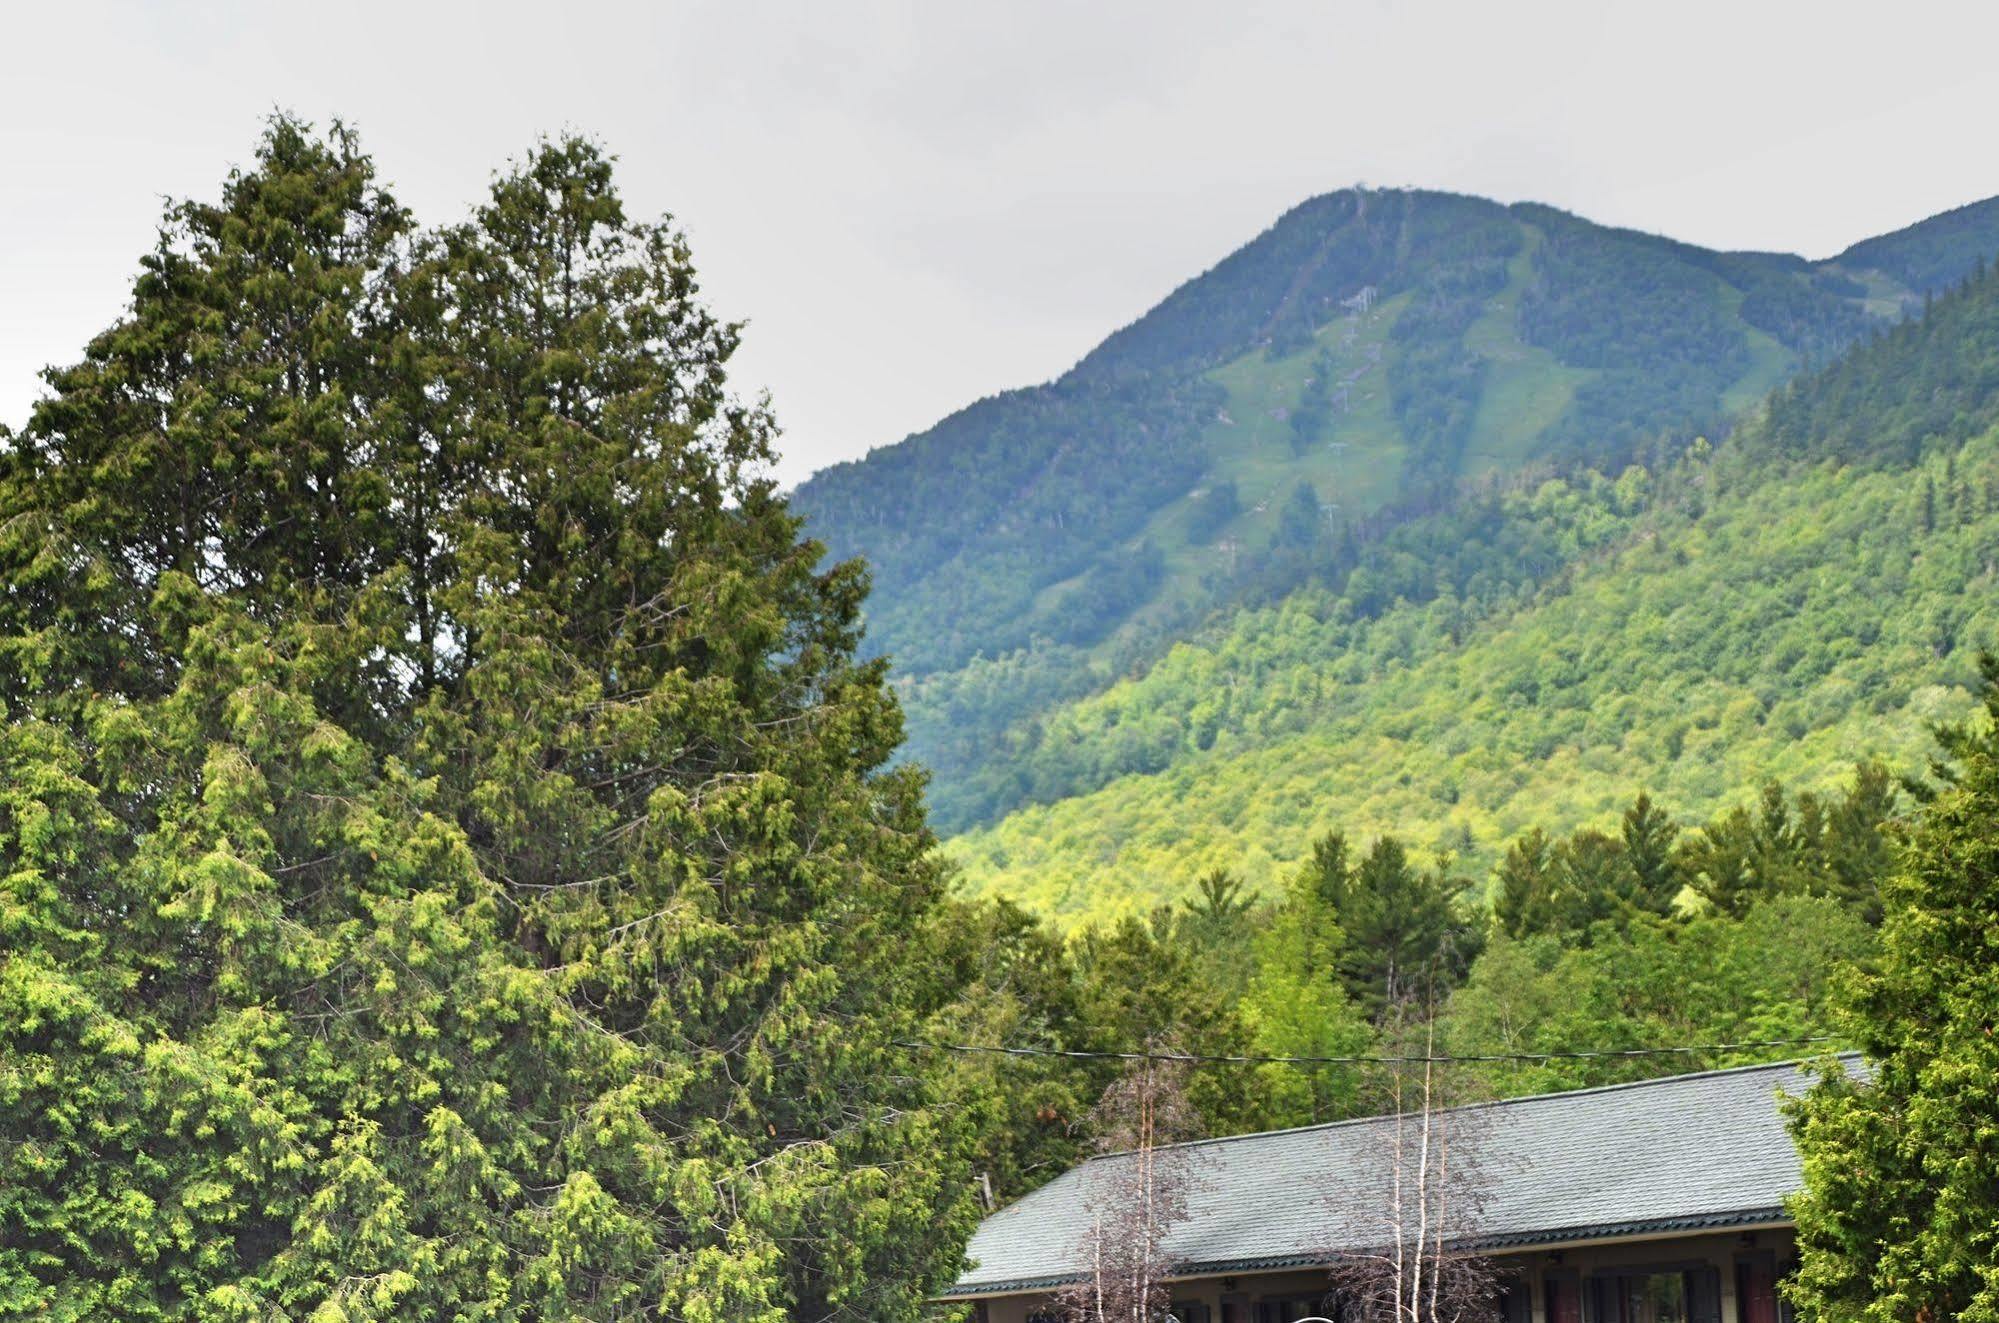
pixel 1667 1295
pixel 1189 1311
pixel 1657 1297
pixel 1516 1299
pixel 1292 1308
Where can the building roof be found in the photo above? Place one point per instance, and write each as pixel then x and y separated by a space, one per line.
pixel 1676 1154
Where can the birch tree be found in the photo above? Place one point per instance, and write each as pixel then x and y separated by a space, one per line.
pixel 1416 1212
pixel 1137 1194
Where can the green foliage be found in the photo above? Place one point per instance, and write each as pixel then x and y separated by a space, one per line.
pixel 1405 933
pixel 1493 549
pixel 966 524
pixel 1110 588
pixel 1171 979
pixel 1435 382
pixel 1723 622
pixel 1705 979
pixel 1219 902
pixel 1643 314
pixel 1928 384
pixel 1299 522
pixel 1809 844
pixel 1368 954
pixel 1296 1001
pixel 1899 1217
pixel 1313 413
pixel 1292 278
pixel 448 863
pixel 1485 547
pixel 1813 844
pixel 1210 510
pixel 1403 342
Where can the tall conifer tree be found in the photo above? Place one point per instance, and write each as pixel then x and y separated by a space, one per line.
pixel 1899 1218
pixel 448 864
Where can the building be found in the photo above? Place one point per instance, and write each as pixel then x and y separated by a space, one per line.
pixel 1655 1202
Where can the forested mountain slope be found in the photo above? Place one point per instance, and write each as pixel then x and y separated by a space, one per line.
pixel 1341 380
pixel 1808 594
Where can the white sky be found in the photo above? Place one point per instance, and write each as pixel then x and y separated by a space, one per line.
pixel 916 204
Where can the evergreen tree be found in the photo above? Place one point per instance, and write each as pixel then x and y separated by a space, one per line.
pixel 1567 887
pixel 1592 883
pixel 1523 899
pixel 1899 1218
pixel 1219 901
pixel 1219 923
pixel 1327 877
pixel 1648 835
pixel 1139 983
pixel 1810 844
pixel 1740 857
pixel 1403 932
pixel 1018 988
pixel 451 865
pixel 1856 852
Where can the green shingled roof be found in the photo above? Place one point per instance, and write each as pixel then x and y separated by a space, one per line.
pixel 1676 1154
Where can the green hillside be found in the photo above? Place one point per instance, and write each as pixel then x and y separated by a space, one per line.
pixel 1809 594
pixel 1358 368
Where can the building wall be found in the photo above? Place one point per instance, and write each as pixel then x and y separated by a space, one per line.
pixel 1746 1257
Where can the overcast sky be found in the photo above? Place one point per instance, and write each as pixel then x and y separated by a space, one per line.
pixel 916 204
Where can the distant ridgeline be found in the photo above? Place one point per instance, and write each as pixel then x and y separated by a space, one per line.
pixel 1348 426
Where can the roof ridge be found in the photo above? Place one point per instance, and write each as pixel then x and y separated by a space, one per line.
pixel 1621 1086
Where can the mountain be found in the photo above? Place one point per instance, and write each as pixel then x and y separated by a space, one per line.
pixel 1254 563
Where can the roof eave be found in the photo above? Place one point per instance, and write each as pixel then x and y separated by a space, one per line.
pixel 1523 1242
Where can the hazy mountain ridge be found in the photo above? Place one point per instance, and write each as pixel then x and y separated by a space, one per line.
pixel 1022 491
pixel 1263 430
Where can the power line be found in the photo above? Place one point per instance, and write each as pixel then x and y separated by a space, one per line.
pixel 1247 1059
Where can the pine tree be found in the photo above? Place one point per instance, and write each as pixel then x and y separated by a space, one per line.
pixel 1523 900
pixel 1856 851
pixel 1649 835
pixel 451 864
pixel 1402 928
pixel 1220 901
pixel 1899 1218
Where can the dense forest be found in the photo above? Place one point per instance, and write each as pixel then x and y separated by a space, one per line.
pixel 1651 932
pixel 1692 632
pixel 1363 364
pixel 1771 603
pixel 1861 916
pixel 1591 755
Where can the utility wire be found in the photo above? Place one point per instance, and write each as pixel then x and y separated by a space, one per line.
pixel 1202 1058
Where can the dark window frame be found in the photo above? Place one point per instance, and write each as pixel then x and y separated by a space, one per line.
pixel 1703 1288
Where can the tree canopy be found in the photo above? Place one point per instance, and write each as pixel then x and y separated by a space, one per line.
pixel 448 864
pixel 1899 1217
